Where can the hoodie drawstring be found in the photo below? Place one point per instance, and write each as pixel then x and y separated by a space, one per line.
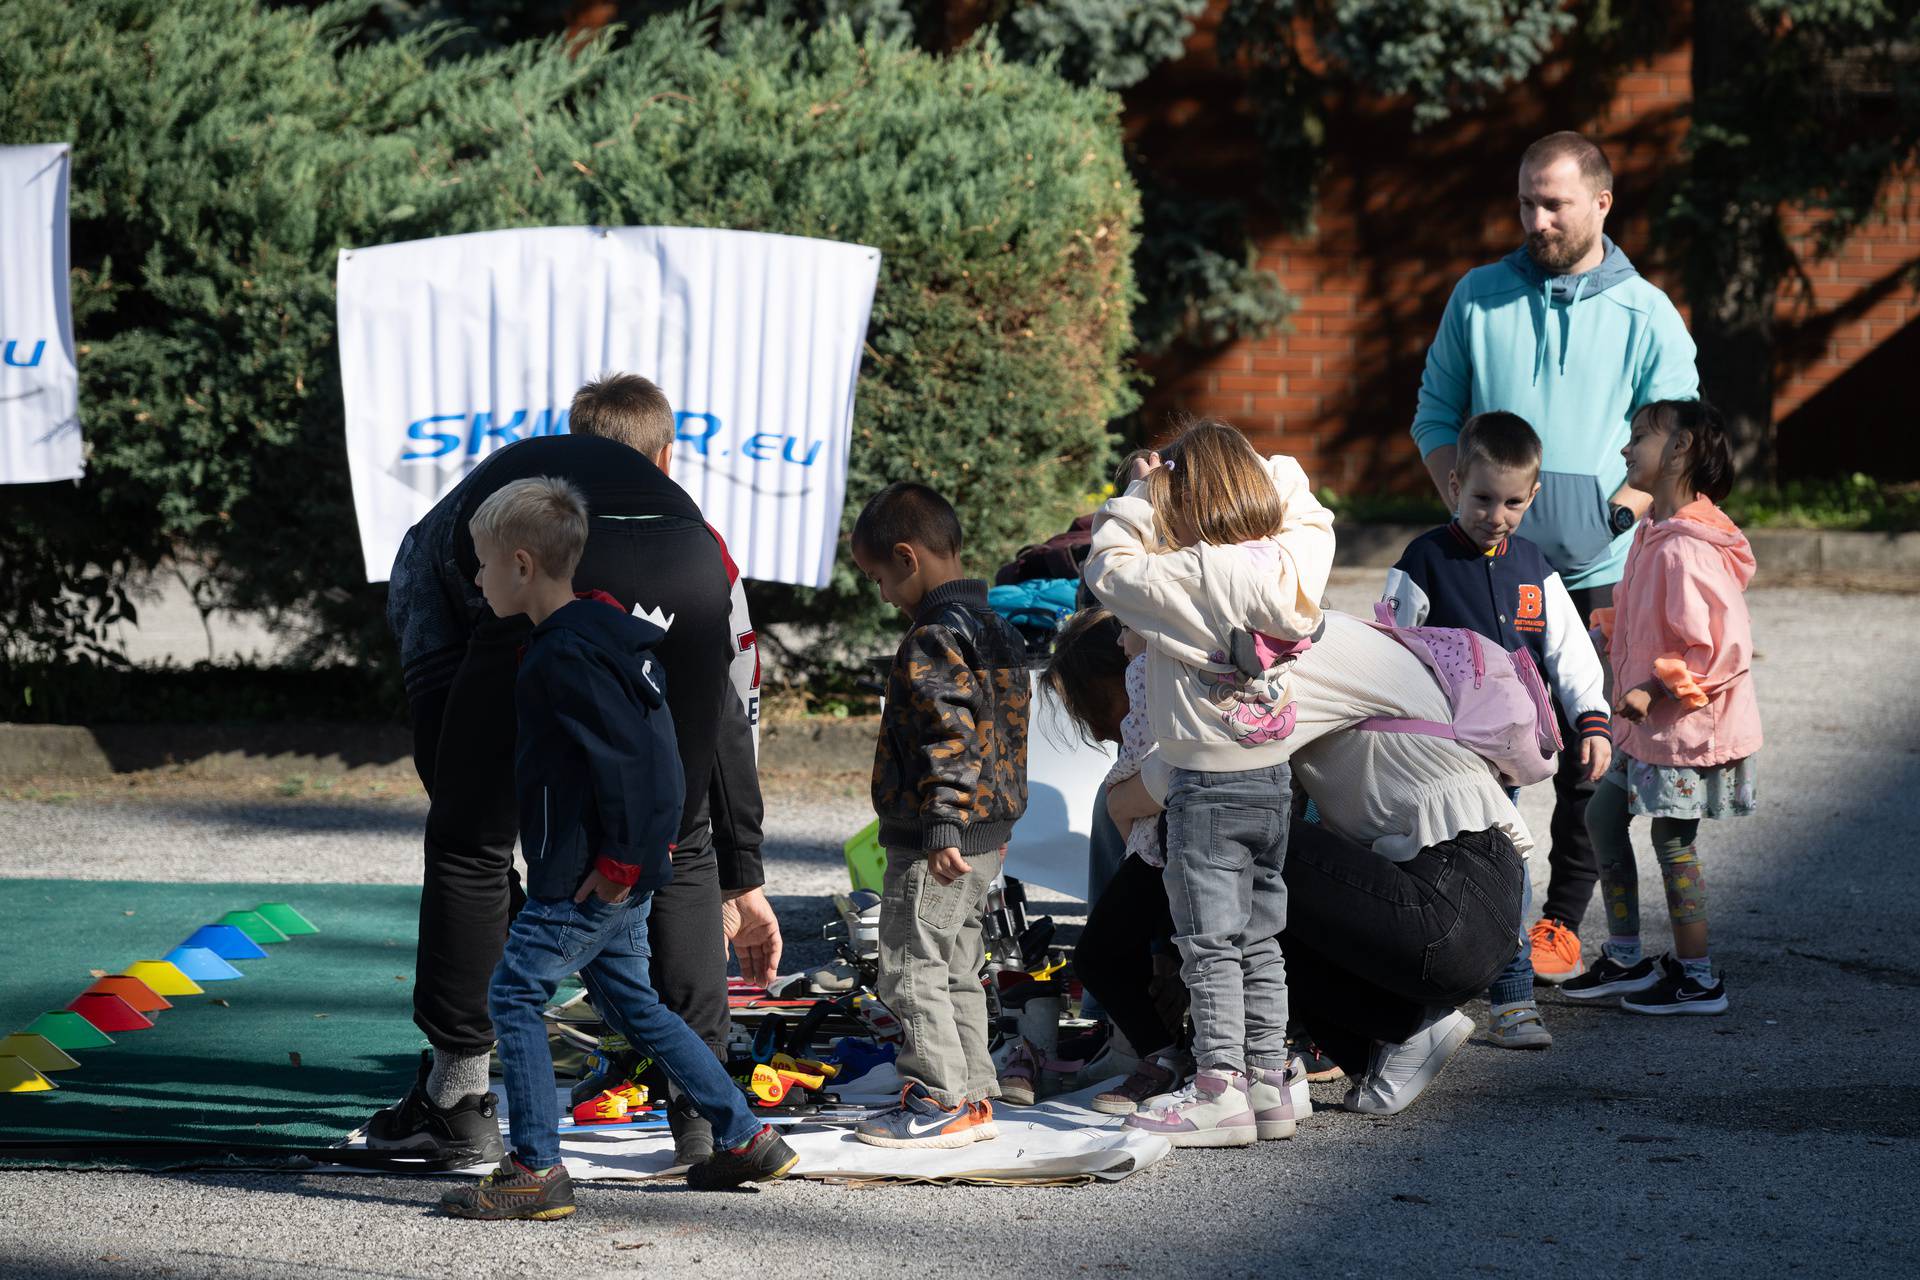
pixel 1546 318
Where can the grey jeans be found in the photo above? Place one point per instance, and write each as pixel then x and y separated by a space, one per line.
pixel 931 949
pixel 1226 845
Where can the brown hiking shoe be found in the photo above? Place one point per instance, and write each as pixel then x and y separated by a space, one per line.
pixel 513 1191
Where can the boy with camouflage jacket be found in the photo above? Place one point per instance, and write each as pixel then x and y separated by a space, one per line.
pixel 949 782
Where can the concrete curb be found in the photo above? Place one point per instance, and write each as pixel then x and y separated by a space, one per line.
pixel 1779 551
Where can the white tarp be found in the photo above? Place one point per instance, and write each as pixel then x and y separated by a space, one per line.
pixel 39 381
pixel 1048 846
pixel 453 347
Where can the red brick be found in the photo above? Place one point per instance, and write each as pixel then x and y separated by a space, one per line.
pixel 1326 303
pixel 1282 364
pixel 1246 382
pixel 1309 342
pixel 1284 404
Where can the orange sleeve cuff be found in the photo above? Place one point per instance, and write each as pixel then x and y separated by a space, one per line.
pixel 1673 673
pixel 1603 619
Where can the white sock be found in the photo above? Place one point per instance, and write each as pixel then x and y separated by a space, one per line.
pixel 455 1076
pixel 1701 970
pixel 1624 952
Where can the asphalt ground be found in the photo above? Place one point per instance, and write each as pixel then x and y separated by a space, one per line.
pixel 1780 1139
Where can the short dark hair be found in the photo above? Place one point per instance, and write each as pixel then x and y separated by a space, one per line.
pixel 624 407
pixel 911 513
pixel 1583 150
pixel 1499 438
pixel 1710 455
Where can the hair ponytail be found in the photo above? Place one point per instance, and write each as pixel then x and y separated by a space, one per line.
pixel 1710 456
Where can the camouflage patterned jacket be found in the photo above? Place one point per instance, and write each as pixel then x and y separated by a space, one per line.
pixel 950 768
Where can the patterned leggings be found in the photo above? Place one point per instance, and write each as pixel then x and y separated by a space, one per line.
pixel 1608 822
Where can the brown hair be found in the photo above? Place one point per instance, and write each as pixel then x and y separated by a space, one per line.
pixel 1088 668
pixel 544 516
pixel 624 407
pixel 1578 147
pixel 1217 488
pixel 1499 438
pixel 1709 451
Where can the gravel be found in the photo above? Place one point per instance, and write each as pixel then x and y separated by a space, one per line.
pixel 1775 1139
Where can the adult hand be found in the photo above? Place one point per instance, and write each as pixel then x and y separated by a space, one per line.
pixel 601 887
pixel 1635 704
pixel 1595 755
pixel 946 865
pixel 753 931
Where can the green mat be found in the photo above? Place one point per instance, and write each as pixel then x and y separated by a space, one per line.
pixel 219 1067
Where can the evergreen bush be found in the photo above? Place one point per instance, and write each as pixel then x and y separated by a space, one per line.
pixel 223 154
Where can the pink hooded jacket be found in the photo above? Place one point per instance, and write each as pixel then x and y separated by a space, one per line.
pixel 1681 599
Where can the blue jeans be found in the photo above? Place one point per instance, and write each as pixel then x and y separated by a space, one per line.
pixel 606 943
pixel 1226 846
pixel 1514 984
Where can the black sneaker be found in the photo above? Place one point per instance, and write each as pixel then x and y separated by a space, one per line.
pixel 1677 992
pixel 514 1192
pixel 692 1133
pixel 467 1133
pixel 762 1158
pixel 1607 977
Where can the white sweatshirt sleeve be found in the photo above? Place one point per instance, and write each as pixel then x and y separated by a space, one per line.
pixel 1573 668
pixel 1305 540
pixel 1152 592
pixel 1403 595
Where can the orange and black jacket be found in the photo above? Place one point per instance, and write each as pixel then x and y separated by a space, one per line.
pixel 950 768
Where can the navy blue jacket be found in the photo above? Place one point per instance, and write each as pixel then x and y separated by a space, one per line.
pixel 1512 596
pixel 596 767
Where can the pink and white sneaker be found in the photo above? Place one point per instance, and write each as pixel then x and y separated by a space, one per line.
pixel 1212 1111
pixel 1279 1099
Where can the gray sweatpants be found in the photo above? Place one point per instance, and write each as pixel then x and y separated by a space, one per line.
pixel 931 949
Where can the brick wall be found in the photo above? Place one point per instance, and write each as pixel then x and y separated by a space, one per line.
pixel 1400 216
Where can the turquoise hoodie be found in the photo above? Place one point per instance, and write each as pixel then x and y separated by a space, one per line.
pixel 1614 343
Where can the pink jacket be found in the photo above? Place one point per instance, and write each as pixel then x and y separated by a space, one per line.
pixel 1681 599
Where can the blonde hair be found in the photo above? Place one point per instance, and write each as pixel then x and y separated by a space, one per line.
pixel 544 516
pixel 1215 489
pixel 624 407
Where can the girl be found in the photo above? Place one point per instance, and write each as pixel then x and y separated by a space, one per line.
pixel 1688 722
pixel 1218 560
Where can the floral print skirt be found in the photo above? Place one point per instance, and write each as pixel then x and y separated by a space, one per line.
pixel 1676 791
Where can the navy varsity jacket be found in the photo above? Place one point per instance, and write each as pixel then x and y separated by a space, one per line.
pixel 1511 595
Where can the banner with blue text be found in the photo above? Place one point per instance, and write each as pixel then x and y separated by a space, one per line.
pixel 454 347
pixel 39 381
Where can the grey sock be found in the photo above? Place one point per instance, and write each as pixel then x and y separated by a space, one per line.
pixel 455 1076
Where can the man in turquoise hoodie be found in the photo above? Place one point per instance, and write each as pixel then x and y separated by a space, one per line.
pixel 1564 332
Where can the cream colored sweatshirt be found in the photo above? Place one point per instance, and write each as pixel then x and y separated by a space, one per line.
pixel 1186 604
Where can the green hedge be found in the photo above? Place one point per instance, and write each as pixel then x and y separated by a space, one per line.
pixel 223 153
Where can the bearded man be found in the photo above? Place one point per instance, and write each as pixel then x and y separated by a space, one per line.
pixel 1564 332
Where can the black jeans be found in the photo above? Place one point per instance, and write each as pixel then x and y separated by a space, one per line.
pixel 1375 947
pixel 1114 959
pixel 1572 865
pixel 463 750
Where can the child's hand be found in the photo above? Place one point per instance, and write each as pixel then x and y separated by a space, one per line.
pixel 946 865
pixel 601 887
pixel 1635 705
pixel 1143 465
pixel 1595 755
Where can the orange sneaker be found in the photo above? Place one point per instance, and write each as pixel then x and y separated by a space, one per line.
pixel 1556 951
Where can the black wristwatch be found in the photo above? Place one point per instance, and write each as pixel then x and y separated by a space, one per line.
pixel 1620 519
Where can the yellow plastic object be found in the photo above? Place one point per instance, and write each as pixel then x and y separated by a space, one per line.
pixel 18 1076
pixel 38 1052
pixel 766 1084
pixel 1047 970
pixel 165 978
pixel 813 1075
pixel 866 860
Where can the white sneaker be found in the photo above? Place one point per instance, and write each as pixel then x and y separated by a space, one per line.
pixel 1400 1072
pixel 1213 1111
pixel 1280 1099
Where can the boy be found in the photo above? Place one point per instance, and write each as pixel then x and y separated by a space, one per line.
pixel 599 789
pixel 949 781
pixel 1475 573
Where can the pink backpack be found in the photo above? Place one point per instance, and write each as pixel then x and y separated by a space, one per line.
pixel 1500 706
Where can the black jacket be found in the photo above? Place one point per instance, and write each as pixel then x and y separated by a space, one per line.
pixel 596 768
pixel 950 768
pixel 649 547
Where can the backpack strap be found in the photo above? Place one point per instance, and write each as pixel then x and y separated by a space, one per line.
pixel 1426 728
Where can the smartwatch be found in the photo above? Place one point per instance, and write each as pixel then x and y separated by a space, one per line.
pixel 1620 519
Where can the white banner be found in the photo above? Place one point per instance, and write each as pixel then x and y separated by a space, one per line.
pixel 454 347
pixel 39 382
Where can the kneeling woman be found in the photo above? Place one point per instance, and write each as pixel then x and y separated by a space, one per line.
pixel 1402 902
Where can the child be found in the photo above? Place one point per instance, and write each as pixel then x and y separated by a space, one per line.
pixel 1475 572
pixel 949 781
pixel 600 792
pixel 1681 645
pixel 1218 561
